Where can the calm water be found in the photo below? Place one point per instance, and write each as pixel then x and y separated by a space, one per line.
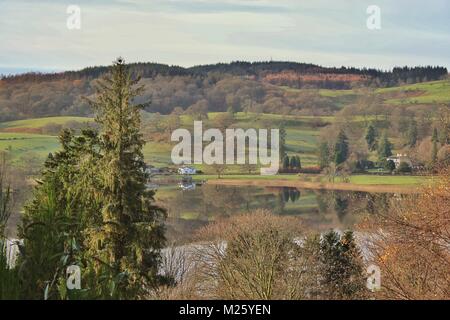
pixel 191 209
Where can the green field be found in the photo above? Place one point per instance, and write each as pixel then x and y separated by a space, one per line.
pixel 425 93
pixel 388 180
pixel 364 179
pixel 301 137
pixel 420 93
pixel 20 144
pixel 42 122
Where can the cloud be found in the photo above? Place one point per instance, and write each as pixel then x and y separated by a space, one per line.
pixel 188 32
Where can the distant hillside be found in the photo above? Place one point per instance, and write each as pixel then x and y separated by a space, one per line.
pixel 323 77
pixel 270 87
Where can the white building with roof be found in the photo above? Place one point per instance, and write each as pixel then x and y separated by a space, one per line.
pixel 399 158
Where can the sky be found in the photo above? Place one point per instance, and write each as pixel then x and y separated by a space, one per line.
pixel 34 34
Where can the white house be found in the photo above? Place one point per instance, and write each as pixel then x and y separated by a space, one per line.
pixel 399 158
pixel 187 170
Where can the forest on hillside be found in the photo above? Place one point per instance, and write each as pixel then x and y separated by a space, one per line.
pixel 271 87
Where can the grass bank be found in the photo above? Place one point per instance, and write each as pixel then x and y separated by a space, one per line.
pixel 365 183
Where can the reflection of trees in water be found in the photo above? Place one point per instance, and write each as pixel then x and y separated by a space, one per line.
pixel 206 201
pixel 283 195
pixel 335 202
pixel 344 203
pixel 291 194
pixel 211 201
pixel 294 195
pixel 378 202
pixel 341 206
pixel 198 207
pixel 222 200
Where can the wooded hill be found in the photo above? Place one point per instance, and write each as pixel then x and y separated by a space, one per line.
pixel 257 70
pixel 241 86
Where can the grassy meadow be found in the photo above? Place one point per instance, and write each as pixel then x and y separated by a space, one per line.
pixel 424 93
pixel 41 122
pixel 362 179
pixel 16 137
pixel 432 92
pixel 301 137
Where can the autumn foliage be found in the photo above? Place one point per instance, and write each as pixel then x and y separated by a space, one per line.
pixel 412 244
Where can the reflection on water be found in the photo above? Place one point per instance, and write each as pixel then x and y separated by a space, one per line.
pixel 190 209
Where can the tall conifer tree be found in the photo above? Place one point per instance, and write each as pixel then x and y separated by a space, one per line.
pixel 384 148
pixel 341 149
pixel 370 137
pixel 132 234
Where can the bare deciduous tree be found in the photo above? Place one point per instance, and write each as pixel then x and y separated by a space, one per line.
pixel 412 244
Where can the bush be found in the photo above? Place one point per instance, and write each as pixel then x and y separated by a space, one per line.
pixel 404 167
pixel 251 257
pixel 389 165
pixel 264 256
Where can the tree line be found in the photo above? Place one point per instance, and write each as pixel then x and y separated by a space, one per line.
pixel 241 85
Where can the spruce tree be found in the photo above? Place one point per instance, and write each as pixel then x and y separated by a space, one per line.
pixel 299 162
pixel 341 267
pixel 286 162
pixel 412 133
pixel 384 148
pixel 53 225
pixel 293 162
pixel 91 207
pixel 324 155
pixel 131 233
pixel 341 149
pixel 371 137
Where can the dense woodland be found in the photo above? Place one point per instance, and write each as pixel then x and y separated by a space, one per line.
pixel 256 87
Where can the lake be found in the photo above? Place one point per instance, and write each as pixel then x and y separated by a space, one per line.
pixel 318 210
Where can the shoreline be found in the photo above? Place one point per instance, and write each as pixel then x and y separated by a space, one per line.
pixel 405 189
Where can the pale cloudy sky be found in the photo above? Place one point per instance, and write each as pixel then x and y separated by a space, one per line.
pixel 33 34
